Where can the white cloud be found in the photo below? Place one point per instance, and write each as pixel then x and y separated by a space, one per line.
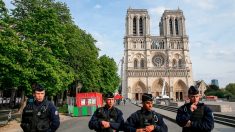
pixel 97 6
pixel 101 40
pixel 157 11
pixel 213 60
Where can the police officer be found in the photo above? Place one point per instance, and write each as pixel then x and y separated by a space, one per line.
pixel 39 115
pixel 195 116
pixel 145 120
pixel 107 118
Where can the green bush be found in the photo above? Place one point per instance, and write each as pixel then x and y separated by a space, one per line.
pixel 63 109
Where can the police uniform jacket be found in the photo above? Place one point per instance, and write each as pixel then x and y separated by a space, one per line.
pixel 143 118
pixel 113 116
pixel 40 116
pixel 202 118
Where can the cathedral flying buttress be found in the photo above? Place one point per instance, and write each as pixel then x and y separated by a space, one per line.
pixel 151 62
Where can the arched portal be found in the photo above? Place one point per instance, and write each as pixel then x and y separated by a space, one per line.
pixel 180 90
pixel 157 88
pixel 138 89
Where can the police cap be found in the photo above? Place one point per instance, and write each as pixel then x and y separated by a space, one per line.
pixel 147 97
pixel 193 90
pixel 109 95
pixel 38 87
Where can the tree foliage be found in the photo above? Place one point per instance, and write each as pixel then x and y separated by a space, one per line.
pixel 13 54
pixel 83 57
pixel 231 88
pixel 39 42
pixel 110 80
pixel 39 24
pixel 212 90
pixel 221 93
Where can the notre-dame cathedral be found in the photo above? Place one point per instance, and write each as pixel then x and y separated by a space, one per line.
pixel 150 62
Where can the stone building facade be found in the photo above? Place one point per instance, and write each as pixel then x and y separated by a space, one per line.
pixel 149 61
pixel 202 87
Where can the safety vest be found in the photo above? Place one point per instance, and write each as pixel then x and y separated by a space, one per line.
pixel 111 117
pixel 146 119
pixel 36 118
pixel 198 113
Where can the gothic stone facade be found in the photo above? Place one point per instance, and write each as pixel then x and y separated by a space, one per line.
pixel 150 60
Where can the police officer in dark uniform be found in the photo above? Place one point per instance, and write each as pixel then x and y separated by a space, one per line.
pixel 195 116
pixel 145 120
pixel 39 115
pixel 107 118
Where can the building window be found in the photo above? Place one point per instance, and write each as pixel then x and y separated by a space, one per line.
pixel 158 60
pixel 180 63
pixel 178 45
pixel 142 45
pixel 134 26
pixel 134 45
pixel 142 63
pixel 161 45
pixel 176 27
pixel 155 45
pixel 174 63
pixel 141 26
pixel 171 26
pixel 172 45
pixel 135 64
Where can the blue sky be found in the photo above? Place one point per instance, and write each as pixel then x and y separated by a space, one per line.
pixel 209 25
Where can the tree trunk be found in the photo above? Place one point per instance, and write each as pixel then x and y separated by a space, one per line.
pixel 52 100
pixel 12 99
pixel 22 102
pixel 62 98
pixel 55 100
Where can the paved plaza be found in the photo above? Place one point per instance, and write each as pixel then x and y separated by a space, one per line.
pixel 80 124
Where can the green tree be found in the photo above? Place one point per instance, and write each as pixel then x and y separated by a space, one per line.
pixel 231 88
pixel 110 80
pixel 212 89
pixel 221 93
pixel 13 55
pixel 83 57
pixel 3 10
pixel 40 43
pixel 39 23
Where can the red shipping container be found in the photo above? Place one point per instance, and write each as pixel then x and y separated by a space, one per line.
pixel 89 99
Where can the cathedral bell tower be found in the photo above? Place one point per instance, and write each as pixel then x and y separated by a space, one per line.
pixel 172 23
pixel 137 22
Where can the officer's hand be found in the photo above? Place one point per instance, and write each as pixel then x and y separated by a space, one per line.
pixel 140 130
pixel 189 123
pixel 149 128
pixel 193 107
pixel 105 124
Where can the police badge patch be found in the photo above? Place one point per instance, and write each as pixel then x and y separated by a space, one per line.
pixel 155 118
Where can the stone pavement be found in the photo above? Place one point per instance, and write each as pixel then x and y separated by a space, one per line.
pixel 79 124
pixel 14 125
